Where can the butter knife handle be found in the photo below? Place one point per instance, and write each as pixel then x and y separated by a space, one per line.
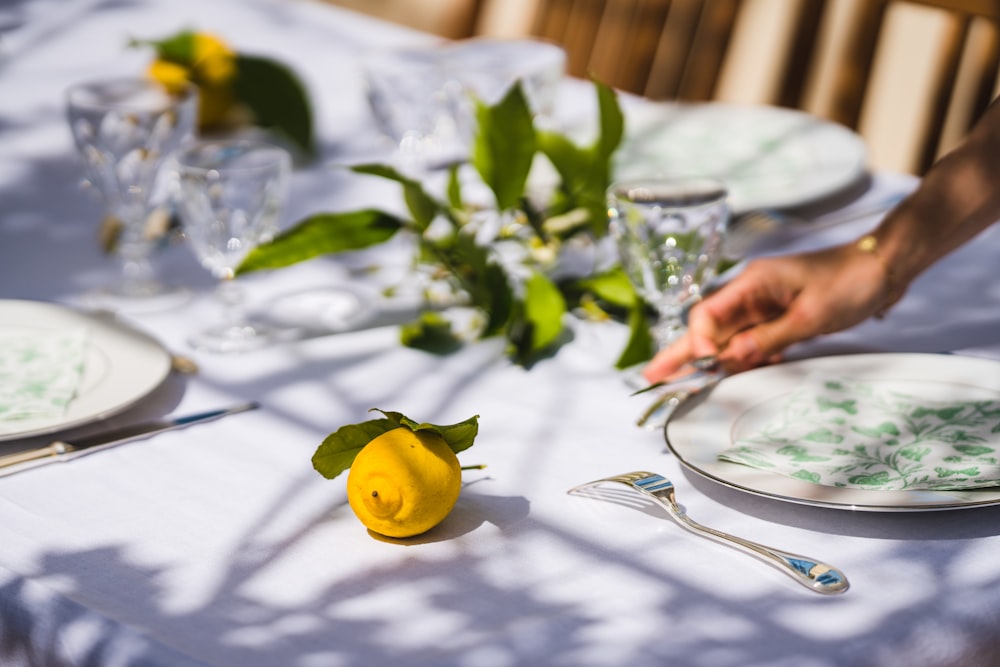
pixel 53 449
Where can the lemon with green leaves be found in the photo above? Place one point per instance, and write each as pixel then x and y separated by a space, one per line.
pixel 204 60
pixel 235 88
pixel 404 477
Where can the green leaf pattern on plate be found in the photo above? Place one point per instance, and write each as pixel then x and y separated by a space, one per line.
pixel 873 436
pixel 39 374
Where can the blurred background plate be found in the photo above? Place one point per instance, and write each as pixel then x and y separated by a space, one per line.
pixel 769 157
pixel 122 365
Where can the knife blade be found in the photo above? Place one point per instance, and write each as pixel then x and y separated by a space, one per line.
pixel 61 450
pixel 659 412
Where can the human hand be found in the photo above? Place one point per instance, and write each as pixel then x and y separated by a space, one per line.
pixel 774 303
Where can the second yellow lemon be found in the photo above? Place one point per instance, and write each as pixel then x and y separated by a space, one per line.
pixel 404 482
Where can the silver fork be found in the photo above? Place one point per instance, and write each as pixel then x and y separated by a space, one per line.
pixel 809 572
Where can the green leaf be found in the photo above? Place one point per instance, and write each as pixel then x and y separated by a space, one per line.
pixel 321 234
pixel 612 122
pixel 337 451
pixel 421 205
pixel 484 280
pixel 544 308
pixel 430 332
pixel 640 346
pixel 500 299
pixel 178 48
pixel 613 287
pixel 586 172
pixel 454 188
pixel 569 160
pixel 277 99
pixel 459 436
pixel 504 146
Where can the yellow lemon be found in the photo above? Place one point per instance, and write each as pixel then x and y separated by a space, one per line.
pixel 214 61
pixel 215 102
pixel 404 483
pixel 174 77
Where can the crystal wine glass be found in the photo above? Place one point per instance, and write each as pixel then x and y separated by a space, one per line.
pixel 669 235
pixel 419 107
pixel 126 130
pixel 230 194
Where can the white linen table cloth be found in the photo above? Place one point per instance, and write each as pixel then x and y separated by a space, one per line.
pixel 218 545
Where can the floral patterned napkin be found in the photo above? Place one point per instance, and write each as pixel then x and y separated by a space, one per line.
pixel 874 436
pixel 39 374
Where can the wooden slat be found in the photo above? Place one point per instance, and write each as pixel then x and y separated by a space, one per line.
pixel 943 87
pixel 866 28
pixel 988 9
pixel 987 64
pixel 676 49
pixel 851 79
pixel 661 48
pixel 667 66
pixel 802 55
pixel 711 41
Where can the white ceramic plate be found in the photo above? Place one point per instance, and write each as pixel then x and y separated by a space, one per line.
pixel 770 157
pixel 122 365
pixel 699 432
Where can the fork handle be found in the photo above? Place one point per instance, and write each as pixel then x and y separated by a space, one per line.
pixel 809 572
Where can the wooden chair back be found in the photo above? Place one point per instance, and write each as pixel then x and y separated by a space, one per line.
pixel 825 56
pixel 955 91
pixel 662 49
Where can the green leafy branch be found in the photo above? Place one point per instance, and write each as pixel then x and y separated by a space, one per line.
pixel 523 303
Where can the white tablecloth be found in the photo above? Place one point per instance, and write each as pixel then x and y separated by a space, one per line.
pixel 219 545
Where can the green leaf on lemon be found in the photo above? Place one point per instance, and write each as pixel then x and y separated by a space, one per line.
pixel 337 451
pixel 459 436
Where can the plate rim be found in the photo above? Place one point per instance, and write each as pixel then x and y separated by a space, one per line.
pixel 659 112
pixel 103 331
pixel 758 482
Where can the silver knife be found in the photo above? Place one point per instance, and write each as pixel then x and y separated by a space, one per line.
pixel 660 411
pixel 60 450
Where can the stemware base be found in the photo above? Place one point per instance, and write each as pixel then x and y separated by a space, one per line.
pixel 228 338
pixel 145 298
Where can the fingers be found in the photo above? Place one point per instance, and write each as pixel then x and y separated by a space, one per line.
pixel 668 360
pixel 761 344
pixel 741 323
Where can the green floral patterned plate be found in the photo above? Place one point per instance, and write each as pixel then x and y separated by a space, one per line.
pixel 879 432
pixel 121 366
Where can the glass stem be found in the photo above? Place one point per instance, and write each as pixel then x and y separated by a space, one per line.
pixel 133 249
pixel 668 327
pixel 230 295
pixel 138 275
